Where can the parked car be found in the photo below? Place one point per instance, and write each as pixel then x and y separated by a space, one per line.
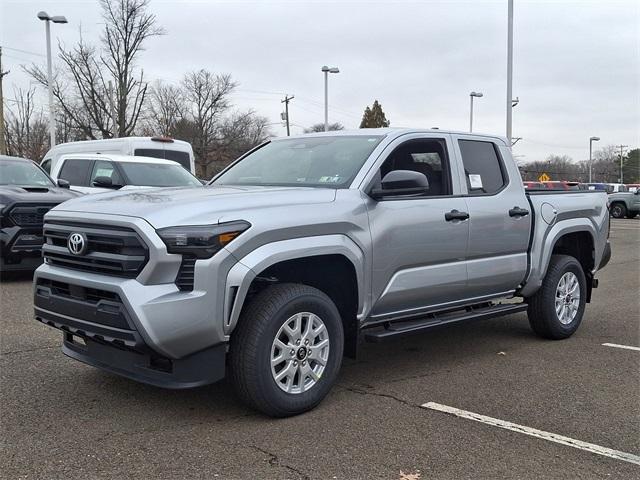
pixel 155 147
pixel 617 188
pixel 562 185
pixel 633 187
pixel 95 173
pixel 533 185
pixel 624 204
pixel 26 194
pixel 304 246
pixel 601 187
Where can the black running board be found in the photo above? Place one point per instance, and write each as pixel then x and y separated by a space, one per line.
pixel 408 327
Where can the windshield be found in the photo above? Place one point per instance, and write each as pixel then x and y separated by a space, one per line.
pixel 307 162
pixel 24 173
pixel 158 175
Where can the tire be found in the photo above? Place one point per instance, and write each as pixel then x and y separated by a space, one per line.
pixel 618 210
pixel 544 318
pixel 253 345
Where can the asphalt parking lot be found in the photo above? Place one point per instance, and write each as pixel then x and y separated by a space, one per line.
pixel 62 419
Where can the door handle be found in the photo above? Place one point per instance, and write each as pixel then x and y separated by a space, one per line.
pixel 455 215
pixel 518 212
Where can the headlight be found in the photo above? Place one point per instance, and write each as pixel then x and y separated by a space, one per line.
pixel 202 241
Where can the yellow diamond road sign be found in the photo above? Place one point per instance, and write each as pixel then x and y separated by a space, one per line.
pixel 544 177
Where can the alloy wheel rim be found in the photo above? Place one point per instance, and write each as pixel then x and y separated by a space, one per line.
pixel 567 298
pixel 299 353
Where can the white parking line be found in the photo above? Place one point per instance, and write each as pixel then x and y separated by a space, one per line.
pixel 626 347
pixel 552 437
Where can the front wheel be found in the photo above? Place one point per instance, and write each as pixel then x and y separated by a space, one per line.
pixel 618 210
pixel 286 351
pixel 556 309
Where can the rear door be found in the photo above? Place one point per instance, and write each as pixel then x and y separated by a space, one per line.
pixel 499 217
pixel 418 253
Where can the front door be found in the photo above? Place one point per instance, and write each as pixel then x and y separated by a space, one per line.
pixel 418 250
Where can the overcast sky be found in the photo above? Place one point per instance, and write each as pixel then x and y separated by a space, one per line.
pixel 576 63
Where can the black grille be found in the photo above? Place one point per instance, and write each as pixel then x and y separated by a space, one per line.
pixel 29 215
pixel 117 251
pixel 184 279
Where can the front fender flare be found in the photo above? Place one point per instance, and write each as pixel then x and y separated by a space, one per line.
pixel 245 271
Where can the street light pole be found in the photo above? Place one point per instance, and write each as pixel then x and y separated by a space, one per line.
pixel 591 140
pixel 47 19
pixel 509 69
pixel 471 96
pixel 326 70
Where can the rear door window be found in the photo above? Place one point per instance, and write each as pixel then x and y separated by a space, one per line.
pixel 76 171
pixel 482 167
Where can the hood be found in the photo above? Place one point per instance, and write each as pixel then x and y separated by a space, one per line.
pixel 18 194
pixel 192 206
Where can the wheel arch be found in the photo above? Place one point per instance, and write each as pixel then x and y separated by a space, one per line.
pixel 315 261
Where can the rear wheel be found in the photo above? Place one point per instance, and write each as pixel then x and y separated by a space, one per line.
pixel 556 310
pixel 286 351
pixel 618 210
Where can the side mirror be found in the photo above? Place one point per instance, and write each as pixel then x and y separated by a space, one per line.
pixel 104 182
pixel 63 183
pixel 401 183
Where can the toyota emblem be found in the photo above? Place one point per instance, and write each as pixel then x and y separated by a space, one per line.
pixel 77 243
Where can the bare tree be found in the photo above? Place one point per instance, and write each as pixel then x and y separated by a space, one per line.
pixel 207 97
pixel 319 127
pixel 165 109
pixel 27 132
pixel 82 94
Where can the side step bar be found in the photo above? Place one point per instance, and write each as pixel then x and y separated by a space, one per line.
pixel 408 327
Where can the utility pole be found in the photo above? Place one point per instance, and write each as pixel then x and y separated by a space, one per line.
pixel 286 101
pixel 621 147
pixel 509 68
pixel 112 107
pixel 3 145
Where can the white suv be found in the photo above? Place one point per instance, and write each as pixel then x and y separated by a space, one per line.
pixel 94 173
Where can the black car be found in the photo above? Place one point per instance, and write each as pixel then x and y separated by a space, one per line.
pixel 26 194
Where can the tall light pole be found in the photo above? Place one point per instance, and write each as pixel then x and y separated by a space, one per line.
pixel 47 19
pixel 471 95
pixel 591 140
pixel 327 71
pixel 509 69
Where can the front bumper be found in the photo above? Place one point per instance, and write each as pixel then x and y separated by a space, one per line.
pixel 147 317
pixel 20 248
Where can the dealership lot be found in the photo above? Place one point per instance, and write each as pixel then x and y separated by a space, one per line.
pixel 390 413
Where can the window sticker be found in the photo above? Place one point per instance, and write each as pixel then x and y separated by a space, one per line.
pixel 475 181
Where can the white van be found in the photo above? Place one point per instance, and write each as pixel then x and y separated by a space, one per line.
pixel 155 147
pixel 95 173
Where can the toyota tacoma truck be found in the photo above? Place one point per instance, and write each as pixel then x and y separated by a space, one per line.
pixel 26 194
pixel 306 246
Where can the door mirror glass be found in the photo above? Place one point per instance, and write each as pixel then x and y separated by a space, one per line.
pixel 402 183
pixel 104 182
pixel 62 183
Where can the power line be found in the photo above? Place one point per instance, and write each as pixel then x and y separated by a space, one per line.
pixel 24 51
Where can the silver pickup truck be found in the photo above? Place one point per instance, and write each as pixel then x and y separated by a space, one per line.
pixel 306 246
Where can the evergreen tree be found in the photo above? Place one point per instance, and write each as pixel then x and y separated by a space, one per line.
pixel 374 117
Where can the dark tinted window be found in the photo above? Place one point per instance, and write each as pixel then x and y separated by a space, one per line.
pixel 76 172
pixel 481 167
pixel 102 168
pixel 428 157
pixel 181 157
pixel 46 165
